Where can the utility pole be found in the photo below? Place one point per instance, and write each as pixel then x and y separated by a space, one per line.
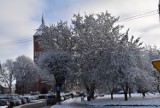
pixel 159 10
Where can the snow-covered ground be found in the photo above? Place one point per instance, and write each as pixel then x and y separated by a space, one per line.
pixel 136 101
pixel 3 106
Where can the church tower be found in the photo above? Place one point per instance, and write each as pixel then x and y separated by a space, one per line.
pixel 41 85
pixel 36 40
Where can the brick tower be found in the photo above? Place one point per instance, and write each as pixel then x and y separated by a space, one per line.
pixel 41 85
pixel 39 33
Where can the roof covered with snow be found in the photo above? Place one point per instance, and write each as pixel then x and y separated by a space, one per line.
pixel 41 28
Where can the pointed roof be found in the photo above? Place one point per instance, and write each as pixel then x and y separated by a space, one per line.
pixel 41 28
pixel 42 19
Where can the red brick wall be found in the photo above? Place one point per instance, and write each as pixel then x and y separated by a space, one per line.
pixel 37 86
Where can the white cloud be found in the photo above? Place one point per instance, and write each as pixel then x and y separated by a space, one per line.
pixel 146 27
pixel 16 16
pixel 18 19
pixel 16 23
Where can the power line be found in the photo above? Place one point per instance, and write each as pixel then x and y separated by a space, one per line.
pixel 139 15
pixel 14 42
pixel 151 13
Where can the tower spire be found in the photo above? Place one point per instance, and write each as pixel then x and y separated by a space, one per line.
pixel 41 28
pixel 42 19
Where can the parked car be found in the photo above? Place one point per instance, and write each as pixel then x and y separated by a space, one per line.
pixel 75 94
pixel 51 99
pixel 101 95
pixel 4 102
pixel 5 97
pixel 67 95
pixel 23 99
pixel 121 92
pixel 28 99
pixel 42 96
pixel 15 99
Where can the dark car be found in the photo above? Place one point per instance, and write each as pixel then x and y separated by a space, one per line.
pixel 23 99
pixel 28 100
pixel 51 99
pixel 14 99
pixel 6 98
pixel 4 102
pixel 42 96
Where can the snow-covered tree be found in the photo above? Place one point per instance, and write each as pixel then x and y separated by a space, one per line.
pixel 154 54
pixel 7 74
pixel 101 53
pixel 25 71
pixel 123 61
pixel 57 64
pixel 58 37
pixel 131 64
pixel 95 37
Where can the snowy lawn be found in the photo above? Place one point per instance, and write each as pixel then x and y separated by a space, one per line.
pixel 150 101
pixel 136 99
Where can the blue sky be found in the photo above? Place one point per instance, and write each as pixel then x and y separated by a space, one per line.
pixel 19 20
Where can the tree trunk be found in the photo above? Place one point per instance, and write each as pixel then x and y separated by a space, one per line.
pixel 92 94
pixel 23 89
pixel 125 96
pixel 92 91
pixel 143 93
pixel 130 92
pixel 58 95
pixel 87 89
pixel 158 88
pixel 111 94
pixel 10 89
pixel 125 89
pixel 10 84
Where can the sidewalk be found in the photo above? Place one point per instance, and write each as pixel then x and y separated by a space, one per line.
pixel 71 103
